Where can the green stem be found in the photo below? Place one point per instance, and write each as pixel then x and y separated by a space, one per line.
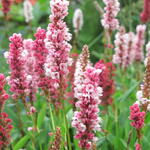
pixel 19 118
pixel 67 134
pixel 52 118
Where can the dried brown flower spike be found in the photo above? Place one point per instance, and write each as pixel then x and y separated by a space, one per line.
pixel 56 144
pixel 146 86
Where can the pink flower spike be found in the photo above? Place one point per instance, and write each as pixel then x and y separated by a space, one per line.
pixel 124 48
pixel 17 80
pixel 111 10
pixel 30 128
pixel 86 120
pixel 57 38
pixel 40 54
pixel 138 147
pixel 5 122
pixel 137 117
pixel 139 42
pixel 30 69
pixel 6 4
pixel 145 15
pixel 3 95
pixel 106 81
pixel 5 129
pixel 32 110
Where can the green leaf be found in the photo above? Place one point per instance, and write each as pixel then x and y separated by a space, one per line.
pixel 22 142
pixel 41 116
pixel 127 94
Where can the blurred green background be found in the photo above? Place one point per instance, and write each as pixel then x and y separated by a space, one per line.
pixel 91 33
pixel 115 122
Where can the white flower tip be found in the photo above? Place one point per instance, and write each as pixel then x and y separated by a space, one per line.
pixel 6 55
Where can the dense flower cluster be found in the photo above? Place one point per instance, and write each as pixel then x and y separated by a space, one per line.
pixel 81 65
pixel 57 37
pixel 124 48
pixel 145 15
pixel 40 54
pixel 138 147
pixel 146 82
pixel 129 46
pixel 28 8
pixel 56 144
pixel 136 116
pixel 30 70
pixel 142 101
pixel 18 76
pixel 109 20
pixel 106 81
pixel 3 95
pixel 120 46
pixel 46 63
pixel 139 42
pixel 86 120
pixel 6 4
pixel 5 126
pixel 77 20
pixel 129 54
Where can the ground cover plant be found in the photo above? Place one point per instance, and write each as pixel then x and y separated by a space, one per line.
pixel 75 75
